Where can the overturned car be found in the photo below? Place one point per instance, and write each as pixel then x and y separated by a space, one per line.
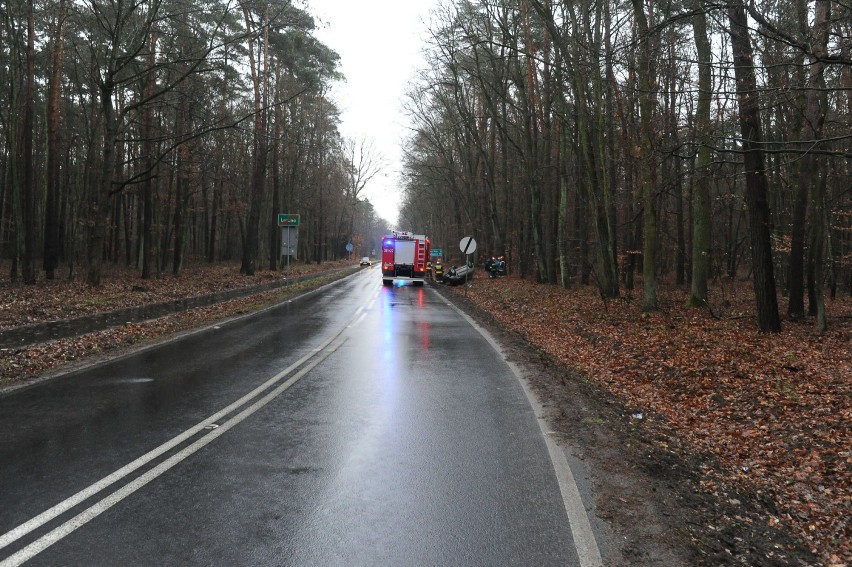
pixel 458 274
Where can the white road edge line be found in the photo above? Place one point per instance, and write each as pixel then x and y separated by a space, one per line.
pixel 581 528
pixel 106 503
pixel 51 513
pixel 357 321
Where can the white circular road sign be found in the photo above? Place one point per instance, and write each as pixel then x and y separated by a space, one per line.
pixel 467 245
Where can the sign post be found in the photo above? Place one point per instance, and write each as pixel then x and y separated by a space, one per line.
pixel 289 223
pixel 468 247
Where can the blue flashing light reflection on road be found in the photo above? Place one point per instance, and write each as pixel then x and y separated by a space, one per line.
pixel 389 332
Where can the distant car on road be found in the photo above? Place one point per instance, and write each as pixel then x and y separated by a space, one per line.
pixel 365 261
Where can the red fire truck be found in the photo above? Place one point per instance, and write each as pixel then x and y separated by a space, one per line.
pixel 404 257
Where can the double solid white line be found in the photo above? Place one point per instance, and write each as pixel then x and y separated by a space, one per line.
pixel 313 358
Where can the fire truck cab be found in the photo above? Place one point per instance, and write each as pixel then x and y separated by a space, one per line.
pixel 404 257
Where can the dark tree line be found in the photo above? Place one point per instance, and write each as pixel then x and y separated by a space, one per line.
pixel 150 131
pixel 593 141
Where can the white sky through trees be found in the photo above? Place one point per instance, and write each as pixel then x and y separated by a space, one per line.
pixel 380 44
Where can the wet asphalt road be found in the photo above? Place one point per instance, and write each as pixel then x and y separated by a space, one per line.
pixel 360 425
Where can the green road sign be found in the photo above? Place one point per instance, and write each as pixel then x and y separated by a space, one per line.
pixel 289 219
pixel 437 253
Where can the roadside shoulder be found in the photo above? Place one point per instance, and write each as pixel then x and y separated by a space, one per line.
pixel 635 516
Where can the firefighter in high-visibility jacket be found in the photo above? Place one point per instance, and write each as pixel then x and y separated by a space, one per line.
pixel 439 270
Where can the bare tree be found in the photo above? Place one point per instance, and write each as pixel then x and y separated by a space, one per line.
pixel 28 270
pixel 755 171
pixel 118 55
pixel 812 178
pixel 54 145
pixel 701 213
pixel 364 163
pixel 258 65
pixel 647 178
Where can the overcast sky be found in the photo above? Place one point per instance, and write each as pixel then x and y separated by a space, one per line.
pixel 380 44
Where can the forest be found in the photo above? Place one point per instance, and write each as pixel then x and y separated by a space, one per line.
pixel 605 143
pixel 622 144
pixel 148 132
pixel 604 147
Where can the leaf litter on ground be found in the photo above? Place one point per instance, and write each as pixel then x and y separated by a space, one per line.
pixel 773 410
pixel 45 301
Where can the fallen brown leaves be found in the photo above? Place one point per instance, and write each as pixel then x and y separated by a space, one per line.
pixel 122 287
pixel 770 414
pixel 771 411
pixel 56 300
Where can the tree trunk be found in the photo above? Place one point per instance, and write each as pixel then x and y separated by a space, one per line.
pixel 99 204
pixel 802 173
pixel 275 231
pixel 13 181
pixel 755 175
pixel 251 242
pixel 147 237
pixel 589 118
pixel 279 150
pixel 54 145
pixel 564 193
pixel 816 257
pixel 28 268
pixel 813 179
pixel 646 147
pixel 181 163
pixel 701 216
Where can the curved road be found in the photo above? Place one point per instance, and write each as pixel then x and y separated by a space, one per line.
pixel 358 425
